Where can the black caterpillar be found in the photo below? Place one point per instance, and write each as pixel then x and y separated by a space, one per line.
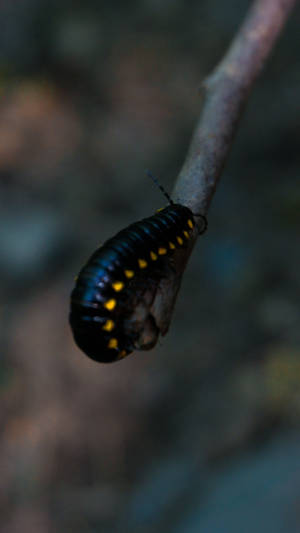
pixel 121 274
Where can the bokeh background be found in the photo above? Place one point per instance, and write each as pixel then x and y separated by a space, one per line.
pixel 203 432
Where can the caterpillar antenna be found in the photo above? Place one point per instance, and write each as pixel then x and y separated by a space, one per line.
pixel 160 187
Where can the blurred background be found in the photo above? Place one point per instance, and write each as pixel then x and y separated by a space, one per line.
pixel 203 432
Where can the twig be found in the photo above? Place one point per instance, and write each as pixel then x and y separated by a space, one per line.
pixel 227 90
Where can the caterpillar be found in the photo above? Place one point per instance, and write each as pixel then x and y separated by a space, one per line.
pixel 111 304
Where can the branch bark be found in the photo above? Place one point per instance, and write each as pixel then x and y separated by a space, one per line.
pixel 227 90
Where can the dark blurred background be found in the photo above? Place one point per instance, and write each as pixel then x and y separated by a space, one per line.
pixel 202 434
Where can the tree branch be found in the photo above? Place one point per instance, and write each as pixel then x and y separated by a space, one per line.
pixel 227 90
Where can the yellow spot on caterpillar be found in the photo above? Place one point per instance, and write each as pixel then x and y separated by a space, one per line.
pixel 109 325
pixel 129 273
pixel 172 246
pixel 186 234
pixel 153 256
pixel 190 223
pixel 142 263
pixel 118 286
pixel 112 343
pixel 162 251
pixel 110 304
pixel 123 353
pixel 76 278
pixel 160 209
pixel 179 240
